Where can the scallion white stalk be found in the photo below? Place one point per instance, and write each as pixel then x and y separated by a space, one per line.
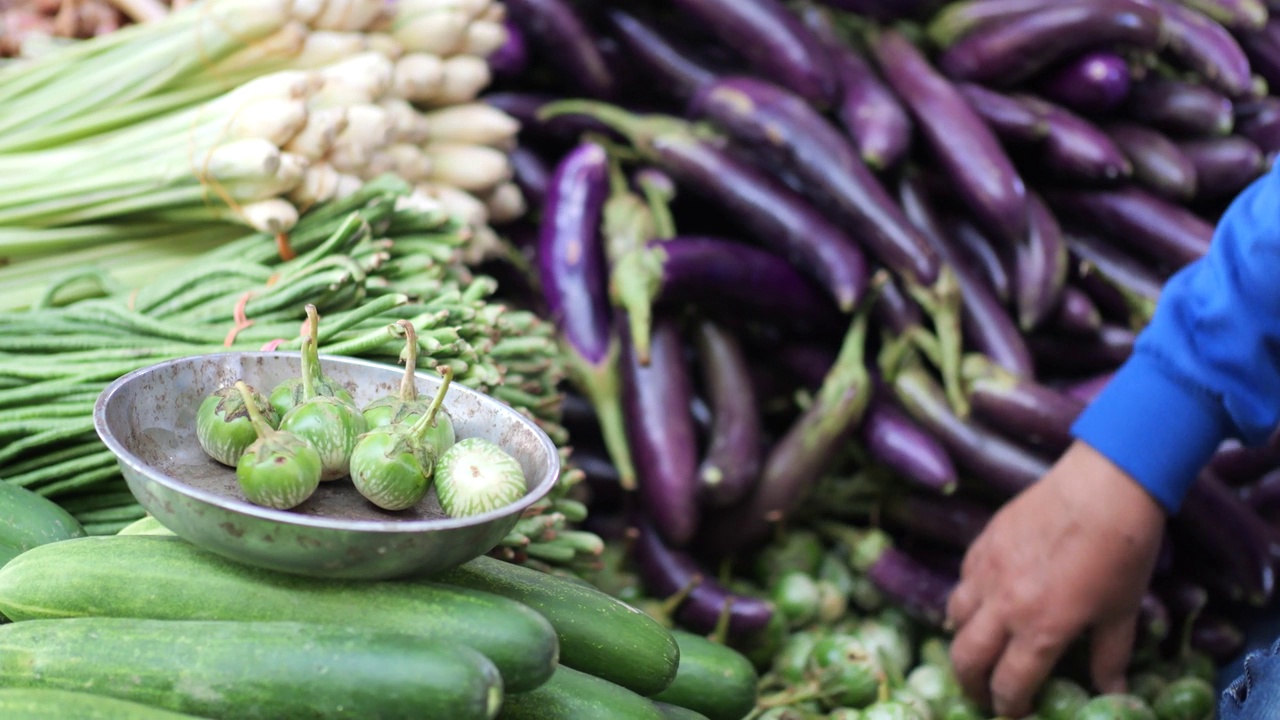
pixel 277 121
pixel 441 33
pixel 319 184
pixel 483 38
pixel 318 136
pixel 476 123
pixel 274 215
pixel 418 77
pixel 464 77
pixel 473 168
pixel 505 204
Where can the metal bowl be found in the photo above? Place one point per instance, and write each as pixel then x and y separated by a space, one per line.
pixel 148 419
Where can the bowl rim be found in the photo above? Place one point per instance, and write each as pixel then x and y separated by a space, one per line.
pixel 537 492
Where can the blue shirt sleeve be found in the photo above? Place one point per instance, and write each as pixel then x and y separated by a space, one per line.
pixel 1207 367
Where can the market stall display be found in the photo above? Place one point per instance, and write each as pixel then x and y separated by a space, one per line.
pixel 804 291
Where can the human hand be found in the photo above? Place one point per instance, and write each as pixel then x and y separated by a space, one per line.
pixel 1072 553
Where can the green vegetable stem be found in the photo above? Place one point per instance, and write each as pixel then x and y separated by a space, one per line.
pixel 404 407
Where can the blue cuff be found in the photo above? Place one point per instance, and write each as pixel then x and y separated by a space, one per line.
pixel 1158 430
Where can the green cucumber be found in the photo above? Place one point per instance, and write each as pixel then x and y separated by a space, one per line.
pixel 573 695
pixel 28 520
pixel 675 712
pixel 717 681
pixel 598 633
pixel 253 670
pixel 145 526
pixel 167 578
pixel 39 704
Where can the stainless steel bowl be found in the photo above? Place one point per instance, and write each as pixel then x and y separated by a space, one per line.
pixel 148 419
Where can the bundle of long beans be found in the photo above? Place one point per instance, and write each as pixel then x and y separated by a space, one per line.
pixel 364 262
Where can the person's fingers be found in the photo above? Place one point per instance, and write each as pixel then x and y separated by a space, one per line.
pixel 1027 662
pixel 962 603
pixel 976 649
pixel 1111 647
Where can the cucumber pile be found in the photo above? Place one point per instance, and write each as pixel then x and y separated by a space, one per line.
pixel 150 620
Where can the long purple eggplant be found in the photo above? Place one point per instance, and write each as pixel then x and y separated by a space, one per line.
pixel 1009 119
pixel 731 463
pixel 667 65
pixel 1104 352
pixel 871 114
pixel 1239 464
pixel 1154 227
pixel 1000 466
pixel 774 215
pixel 655 401
pixel 562 36
pixel 898 442
pixel 957 20
pixel 894 309
pixel 531 174
pixel 1087 389
pixel 1113 303
pixel 1010 51
pixel 1182 109
pixel 772 39
pixel 987 260
pixel 1217 637
pixel 1039 267
pixel 1234 14
pixel 1204 46
pixel 1020 408
pixel 884 10
pixel 511 59
pixel 1076 314
pixel 952 521
pixel 984 320
pixel 668 573
pixel 1259 121
pixel 787 131
pixel 963 143
pixel 572 273
pixel 1094 83
pixel 1077 149
pixel 804 453
pixel 1263 49
pixel 722 275
pixel 1224 166
pixel 1229 539
pixel 1129 275
pixel 1158 163
pixel 919 589
pixel 1263 496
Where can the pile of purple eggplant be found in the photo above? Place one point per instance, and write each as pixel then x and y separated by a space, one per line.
pixel 789 243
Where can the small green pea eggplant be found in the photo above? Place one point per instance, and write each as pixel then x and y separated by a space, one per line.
pixel 279 470
pixel 475 476
pixel 795 594
pixel 404 407
pixel 846 666
pixel 223 425
pixel 392 466
pixel 330 424
pixel 890 710
pixel 291 393
pixel 1115 707
pixel 1060 699
pixel 1188 698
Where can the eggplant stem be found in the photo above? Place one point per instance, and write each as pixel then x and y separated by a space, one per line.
pixel 942 302
pixel 428 418
pixel 408 382
pixel 669 605
pixel 720 633
pixel 260 424
pixel 664 223
pixel 637 129
pixel 600 384
pixel 635 284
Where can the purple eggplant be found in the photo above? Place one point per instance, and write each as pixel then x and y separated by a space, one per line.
pixel 1039 267
pixel 511 60
pixel 900 444
pixel 1012 50
pixel 1114 305
pixel 572 275
pixel 1077 149
pixel 562 36
pixel 871 114
pixel 883 10
pixel 1216 637
pixel 894 310
pixel 1224 166
pixel 1182 109
pixel 1263 496
pixel 721 275
pixel 1133 279
pixel 808 363
pixel 982 255
pixel 1094 83
pixel 984 320
pixel 1076 314
pixel 919 589
pixel 1104 352
pixel 1259 122
pixel 1010 119
pixel 1019 407
pixel 790 134
pixel 804 453
pixel 660 431
pixel 965 146
pixel 1233 14
pixel 1237 464
pixel 732 460
pixel 951 521
pixel 1153 619
pixel 1156 228
pixel 1230 540
pixel 665 64
pixel 775 215
pixel 773 41
pixel 1002 467
pixel 1263 49
pixel 1157 162
pixel 531 174
pixel 1087 389
pixel 960 19
pixel 1205 47
pixel 526 107
pixel 669 573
